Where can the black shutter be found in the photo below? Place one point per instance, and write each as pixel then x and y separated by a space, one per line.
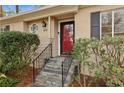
pixel 95 25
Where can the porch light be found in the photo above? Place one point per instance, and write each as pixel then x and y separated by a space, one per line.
pixel 44 25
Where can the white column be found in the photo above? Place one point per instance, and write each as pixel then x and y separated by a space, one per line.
pixel 100 26
pixel 49 28
pixel 112 23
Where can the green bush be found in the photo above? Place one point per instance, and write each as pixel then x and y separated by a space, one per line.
pixel 8 82
pixel 103 59
pixel 16 50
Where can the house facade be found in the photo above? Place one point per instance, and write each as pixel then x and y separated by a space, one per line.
pixel 63 24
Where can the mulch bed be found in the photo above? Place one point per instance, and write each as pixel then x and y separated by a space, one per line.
pixel 25 78
pixel 95 83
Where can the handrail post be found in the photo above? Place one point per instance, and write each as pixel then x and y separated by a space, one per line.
pixel 62 76
pixel 33 72
pixel 51 50
pixel 65 69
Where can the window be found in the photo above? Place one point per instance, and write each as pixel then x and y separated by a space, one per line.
pixel 7 28
pixel 34 28
pixel 1 30
pixel 119 22
pixel 106 23
pixel 112 22
pixel 95 25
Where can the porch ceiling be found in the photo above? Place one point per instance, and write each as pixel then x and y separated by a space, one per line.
pixel 65 16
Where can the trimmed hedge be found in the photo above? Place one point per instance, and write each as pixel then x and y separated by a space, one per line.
pixel 16 50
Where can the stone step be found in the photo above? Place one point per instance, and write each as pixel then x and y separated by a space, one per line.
pixel 51 74
pixel 43 74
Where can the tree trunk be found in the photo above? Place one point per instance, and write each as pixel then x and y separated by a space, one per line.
pixel 1 11
pixel 17 9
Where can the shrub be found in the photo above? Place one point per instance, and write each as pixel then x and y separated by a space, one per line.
pixel 103 59
pixel 7 82
pixel 16 50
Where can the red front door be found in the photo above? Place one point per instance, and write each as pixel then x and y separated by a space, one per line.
pixel 67 36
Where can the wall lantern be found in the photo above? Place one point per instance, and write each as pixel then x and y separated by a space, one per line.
pixel 44 25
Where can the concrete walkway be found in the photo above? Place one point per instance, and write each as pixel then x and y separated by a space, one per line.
pixel 51 75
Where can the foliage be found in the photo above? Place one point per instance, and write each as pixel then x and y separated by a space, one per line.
pixel 16 50
pixel 103 59
pixel 7 82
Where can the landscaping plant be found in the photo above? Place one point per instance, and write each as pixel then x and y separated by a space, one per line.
pixel 16 50
pixel 7 81
pixel 101 59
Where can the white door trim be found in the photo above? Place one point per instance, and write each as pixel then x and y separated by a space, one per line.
pixel 67 20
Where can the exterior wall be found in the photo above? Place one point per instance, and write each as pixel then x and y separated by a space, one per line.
pixel 82 19
pixel 25 27
pixel 16 26
pixel 43 35
pixel 82 22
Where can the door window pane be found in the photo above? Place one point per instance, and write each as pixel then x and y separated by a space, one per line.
pixel 67 37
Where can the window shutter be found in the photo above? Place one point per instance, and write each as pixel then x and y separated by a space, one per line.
pixel 95 25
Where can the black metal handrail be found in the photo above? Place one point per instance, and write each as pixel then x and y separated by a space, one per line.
pixel 40 61
pixel 66 64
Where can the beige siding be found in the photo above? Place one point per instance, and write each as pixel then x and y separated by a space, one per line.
pixel 25 27
pixel 82 19
pixel 18 26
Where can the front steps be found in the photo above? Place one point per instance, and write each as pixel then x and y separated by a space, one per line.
pixel 51 75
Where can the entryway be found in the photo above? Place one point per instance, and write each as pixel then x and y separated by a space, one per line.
pixel 66 37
